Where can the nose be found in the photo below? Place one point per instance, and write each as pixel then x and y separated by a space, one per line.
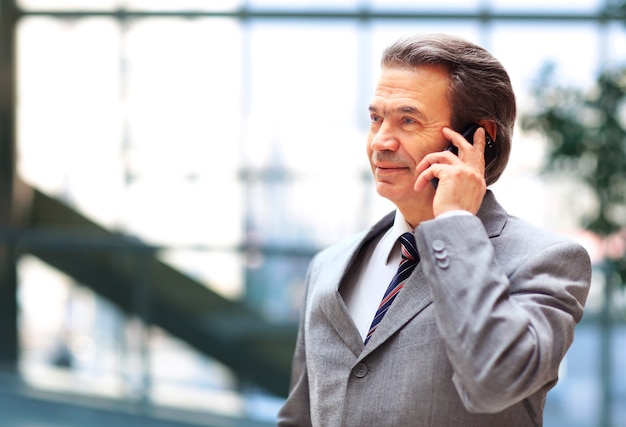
pixel 384 139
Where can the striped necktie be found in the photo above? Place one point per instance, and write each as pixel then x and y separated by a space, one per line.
pixel 410 258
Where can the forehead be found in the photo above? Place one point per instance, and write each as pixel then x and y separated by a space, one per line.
pixel 421 87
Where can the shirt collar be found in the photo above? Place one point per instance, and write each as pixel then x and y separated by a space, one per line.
pixel 390 239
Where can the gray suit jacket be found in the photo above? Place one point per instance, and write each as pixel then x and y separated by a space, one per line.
pixel 475 337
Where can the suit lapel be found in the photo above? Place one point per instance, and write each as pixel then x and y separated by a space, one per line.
pixel 412 299
pixel 338 316
pixel 333 305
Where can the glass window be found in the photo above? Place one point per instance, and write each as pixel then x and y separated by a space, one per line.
pixel 57 5
pixel 614 47
pixel 303 4
pixel 572 47
pixel 153 5
pixel 448 6
pixel 69 121
pixel 302 120
pixel 182 5
pixel 182 104
pixel 539 6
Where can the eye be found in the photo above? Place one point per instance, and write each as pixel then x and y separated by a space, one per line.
pixel 374 118
pixel 409 121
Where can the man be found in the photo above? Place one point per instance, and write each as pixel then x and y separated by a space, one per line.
pixel 475 335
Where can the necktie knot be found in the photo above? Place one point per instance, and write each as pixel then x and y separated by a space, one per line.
pixel 409 247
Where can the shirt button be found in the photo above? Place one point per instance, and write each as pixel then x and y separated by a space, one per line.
pixel 360 370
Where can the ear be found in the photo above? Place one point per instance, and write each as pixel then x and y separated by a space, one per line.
pixel 490 127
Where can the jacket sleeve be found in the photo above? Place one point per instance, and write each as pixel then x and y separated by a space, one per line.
pixel 295 412
pixel 506 306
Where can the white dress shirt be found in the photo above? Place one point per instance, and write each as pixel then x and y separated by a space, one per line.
pixel 363 291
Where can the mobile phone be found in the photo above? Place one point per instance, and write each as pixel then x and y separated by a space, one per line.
pixel 490 148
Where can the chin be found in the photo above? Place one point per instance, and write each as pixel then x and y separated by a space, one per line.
pixel 387 191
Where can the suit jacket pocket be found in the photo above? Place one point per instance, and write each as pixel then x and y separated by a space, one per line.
pixel 416 333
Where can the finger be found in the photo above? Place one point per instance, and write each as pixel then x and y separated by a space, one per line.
pixel 467 148
pixel 426 176
pixel 480 143
pixel 456 139
pixel 443 157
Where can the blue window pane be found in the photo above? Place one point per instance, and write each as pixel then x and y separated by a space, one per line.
pixel 304 4
pixel 563 6
pixel 442 5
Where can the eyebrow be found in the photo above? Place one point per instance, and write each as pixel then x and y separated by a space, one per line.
pixel 402 109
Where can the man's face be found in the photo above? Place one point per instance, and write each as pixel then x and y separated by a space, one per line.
pixel 407 113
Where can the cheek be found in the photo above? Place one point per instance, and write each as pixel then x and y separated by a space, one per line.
pixel 368 145
pixel 416 148
pixel 420 145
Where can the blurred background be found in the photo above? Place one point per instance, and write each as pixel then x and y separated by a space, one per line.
pixel 169 167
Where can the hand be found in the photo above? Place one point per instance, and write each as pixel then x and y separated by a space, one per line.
pixel 462 183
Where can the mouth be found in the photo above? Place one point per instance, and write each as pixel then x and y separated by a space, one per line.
pixel 389 165
pixel 389 169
